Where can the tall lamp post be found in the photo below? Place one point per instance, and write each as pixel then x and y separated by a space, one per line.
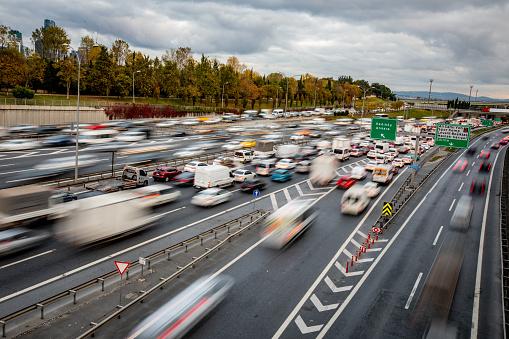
pixel 133 82
pixel 471 86
pixel 222 94
pixel 429 94
pixel 78 57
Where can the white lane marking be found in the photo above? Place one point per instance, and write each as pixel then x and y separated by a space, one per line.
pixel 438 235
pixel 350 255
pixel 413 291
pixel 274 202
pixel 56 152
pixel 473 164
pixel 298 189
pixel 7 165
pixel 310 185
pixel 477 291
pixel 16 172
pixel 334 288
pixel 321 307
pixel 362 234
pixel 117 254
pixel 373 249
pixel 459 189
pixel 287 195
pixel 450 208
pixel 305 329
pixel 378 259
pixel 343 270
pixel 468 173
pixel 22 260
pixel 355 243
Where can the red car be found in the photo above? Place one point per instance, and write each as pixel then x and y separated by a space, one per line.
pixel 346 182
pixel 484 154
pixel 503 142
pixel 165 173
pixel 477 187
pixel 460 165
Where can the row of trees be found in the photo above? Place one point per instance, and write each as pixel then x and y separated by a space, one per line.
pixel 112 71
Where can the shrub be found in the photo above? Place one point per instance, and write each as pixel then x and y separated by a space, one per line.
pixel 21 92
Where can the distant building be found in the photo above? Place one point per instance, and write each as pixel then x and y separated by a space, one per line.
pixel 49 23
pixel 16 40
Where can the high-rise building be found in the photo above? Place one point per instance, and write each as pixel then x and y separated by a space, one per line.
pixel 16 40
pixel 49 23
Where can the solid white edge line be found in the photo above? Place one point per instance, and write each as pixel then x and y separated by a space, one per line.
pixel 413 291
pixel 438 235
pixel 22 260
pixel 378 259
pixel 453 201
pixel 319 279
pixel 477 290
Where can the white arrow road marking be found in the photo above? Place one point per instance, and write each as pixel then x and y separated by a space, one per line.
pixel 299 190
pixel 333 287
pixel 355 243
pixel 373 249
pixel 349 274
pixel 287 195
pixel 319 306
pixel 305 329
pixel 350 255
pixel 362 234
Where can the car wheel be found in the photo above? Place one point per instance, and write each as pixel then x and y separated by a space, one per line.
pixel 133 177
pixel 145 183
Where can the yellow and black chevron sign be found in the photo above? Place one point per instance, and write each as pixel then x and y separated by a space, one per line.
pixel 387 210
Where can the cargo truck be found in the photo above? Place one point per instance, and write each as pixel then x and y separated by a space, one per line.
pixel 286 151
pixel 341 148
pixel 213 176
pixel 323 169
pixel 132 177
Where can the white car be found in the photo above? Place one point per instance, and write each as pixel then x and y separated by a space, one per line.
pixel 425 145
pixel 211 197
pixel 232 145
pixel 157 194
pixel 285 164
pixel 372 189
pixel 131 136
pixel 189 152
pixel 213 120
pixel 359 173
pixel 381 159
pixel 168 123
pixel 398 162
pixel 235 129
pixel 242 175
pixel 191 167
pixel 19 144
pixel 190 121
pixel 370 166
pixel 372 154
pixel 297 136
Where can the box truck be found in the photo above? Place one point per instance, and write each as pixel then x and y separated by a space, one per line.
pixel 213 176
pixel 341 148
pixel 286 151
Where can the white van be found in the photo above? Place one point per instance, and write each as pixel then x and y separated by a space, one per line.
pixel 382 174
pixel 243 156
pixel 382 147
pixel 99 136
pixel 354 200
pixel 213 176
pixel 278 112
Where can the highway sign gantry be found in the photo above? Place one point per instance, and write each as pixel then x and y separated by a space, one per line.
pixel 385 129
pixel 451 135
pixel 387 209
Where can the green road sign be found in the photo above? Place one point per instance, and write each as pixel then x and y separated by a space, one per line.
pixel 487 122
pixel 449 135
pixel 498 119
pixel 382 128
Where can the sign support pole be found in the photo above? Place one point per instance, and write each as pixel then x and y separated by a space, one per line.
pixel 415 159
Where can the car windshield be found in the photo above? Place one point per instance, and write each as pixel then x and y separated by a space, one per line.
pixel 238 172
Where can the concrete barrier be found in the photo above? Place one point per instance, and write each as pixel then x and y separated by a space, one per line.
pixel 11 115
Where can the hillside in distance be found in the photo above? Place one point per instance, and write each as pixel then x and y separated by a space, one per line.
pixel 441 96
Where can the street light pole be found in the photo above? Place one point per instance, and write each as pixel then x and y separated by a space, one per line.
pixel 222 94
pixel 429 95
pixel 471 86
pixel 78 57
pixel 133 83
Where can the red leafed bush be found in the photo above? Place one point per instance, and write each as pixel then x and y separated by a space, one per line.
pixel 139 111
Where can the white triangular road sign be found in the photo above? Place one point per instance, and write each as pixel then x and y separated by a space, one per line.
pixel 122 266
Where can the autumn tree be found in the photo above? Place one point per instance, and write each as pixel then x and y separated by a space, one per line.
pixel 51 43
pixel 120 51
pixel 33 72
pixel 4 36
pixel 67 72
pixel 101 74
pixel 86 46
pixel 12 64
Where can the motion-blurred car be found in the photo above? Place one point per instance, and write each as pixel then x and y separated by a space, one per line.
pixel 252 184
pixel 354 200
pixel 168 123
pixel 19 144
pixel 223 161
pixel 288 223
pixel 345 182
pixel 303 166
pixel 190 121
pixel 265 168
pixel 503 142
pixel 398 162
pixel 242 175
pixel 281 175
pixel 213 120
pixel 372 189
pixel 370 166
pixel 232 145
pixel 297 136
pixel 477 187
pixel 178 133
pixel 176 317
pixel 485 166
pixel 165 173
pixel 301 157
pixel 286 164
pixel 495 145
pixel 58 140
pixel 131 136
pixel 359 173
pixel 484 155
pixel 191 167
pixel 461 217
pixel 248 143
pixel 184 179
pixel 211 197
pixel 355 152
pixel 206 144
pixel 19 239
pixel 189 152
pixel 471 150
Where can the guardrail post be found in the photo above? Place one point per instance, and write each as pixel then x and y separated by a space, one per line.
pixel 101 280
pixel 3 328
pixel 42 310
pixel 74 295
pixel 127 275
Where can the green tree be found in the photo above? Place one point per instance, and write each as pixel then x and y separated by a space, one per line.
pixel 33 72
pixel 51 43
pixel 12 64
pixel 120 51
pixel 87 44
pixel 101 74
pixel 67 73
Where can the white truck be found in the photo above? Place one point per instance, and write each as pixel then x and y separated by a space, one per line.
pixel 382 147
pixel 382 174
pixel 104 217
pixel 264 149
pixel 323 169
pixel 287 151
pixel 213 176
pixel 341 148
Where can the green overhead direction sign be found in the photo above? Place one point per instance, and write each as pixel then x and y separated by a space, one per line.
pixel 450 135
pixel 498 119
pixel 385 129
pixel 487 122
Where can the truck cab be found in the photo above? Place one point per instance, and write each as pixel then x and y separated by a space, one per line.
pixel 135 174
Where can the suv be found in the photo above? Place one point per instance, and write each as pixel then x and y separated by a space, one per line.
pixel 243 156
pixel 165 173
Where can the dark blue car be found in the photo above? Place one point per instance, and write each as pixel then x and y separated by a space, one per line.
pixel 59 140
pixel 281 175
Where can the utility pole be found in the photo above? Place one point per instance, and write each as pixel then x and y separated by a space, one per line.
pixel 429 94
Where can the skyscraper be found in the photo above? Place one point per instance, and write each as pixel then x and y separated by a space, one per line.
pixel 49 23
pixel 16 40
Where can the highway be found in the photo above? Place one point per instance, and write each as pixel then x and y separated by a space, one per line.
pixel 302 289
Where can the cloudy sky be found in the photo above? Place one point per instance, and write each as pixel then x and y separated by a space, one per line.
pixel 400 43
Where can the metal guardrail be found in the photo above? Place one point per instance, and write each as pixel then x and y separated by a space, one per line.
pixel 504 234
pixel 167 251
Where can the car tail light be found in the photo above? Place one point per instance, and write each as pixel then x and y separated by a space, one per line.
pixel 482 190
pixel 472 187
pixel 481 165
